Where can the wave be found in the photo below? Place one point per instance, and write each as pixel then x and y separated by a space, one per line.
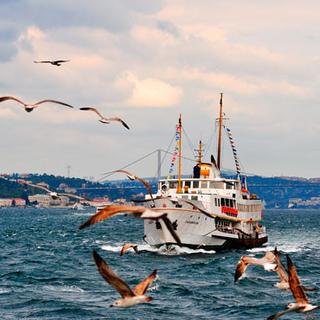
pixel 288 248
pixel 63 288
pixel 5 290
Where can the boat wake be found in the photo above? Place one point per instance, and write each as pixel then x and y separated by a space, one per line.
pixel 163 250
pixel 288 248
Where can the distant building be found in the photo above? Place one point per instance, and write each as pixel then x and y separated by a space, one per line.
pixel 64 187
pixel 46 201
pixel 12 202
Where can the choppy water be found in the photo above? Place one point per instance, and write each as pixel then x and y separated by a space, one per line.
pixel 47 272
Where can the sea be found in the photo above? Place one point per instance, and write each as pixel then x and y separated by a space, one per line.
pixel 47 270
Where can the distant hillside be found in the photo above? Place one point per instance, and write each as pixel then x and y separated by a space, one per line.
pixel 277 192
pixel 10 189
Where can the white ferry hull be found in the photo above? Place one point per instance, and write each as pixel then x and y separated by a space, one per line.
pixel 197 231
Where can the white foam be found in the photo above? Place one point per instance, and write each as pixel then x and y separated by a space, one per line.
pixel 155 287
pixel 63 288
pixel 285 248
pixel 4 290
pixel 83 214
pixel 163 250
pixel 111 248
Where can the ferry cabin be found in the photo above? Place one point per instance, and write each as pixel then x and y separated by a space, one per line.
pixel 218 195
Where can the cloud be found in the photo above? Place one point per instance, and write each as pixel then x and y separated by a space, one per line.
pixel 150 92
pixel 6 113
pixel 138 59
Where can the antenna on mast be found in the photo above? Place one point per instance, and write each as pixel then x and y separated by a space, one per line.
pixel 200 152
pixel 220 133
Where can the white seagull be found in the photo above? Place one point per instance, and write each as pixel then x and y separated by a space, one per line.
pixel 135 177
pixel 54 195
pixel 129 297
pixel 302 304
pixel 53 62
pixel 267 262
pixel 138 211
pixel 29 107
pixel 104 119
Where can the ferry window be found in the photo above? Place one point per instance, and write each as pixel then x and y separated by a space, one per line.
pixel 204 184
pixel 194 198
pixel 227 202
pixel 218 202
pixel 187 184
pixel 195 184
pixel 222 202
pixel 173 184
pixel 229 185
pixel 215 201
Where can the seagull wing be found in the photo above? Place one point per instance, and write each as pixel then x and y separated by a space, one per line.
pixel 60 61
pixel 111 277
pixel 145 183
pixel 129 174
pixel 127 246
pixel 118 119
pixel 280 269
pixel 295 284
pixel 110 211
pixel 70 195
pixel 92 109
pixel 245 261
pixel 38 187
pixel 169 226
pixel 281 313
pixel 141 288
pixel 206 213
pixel 5 98
pixel 42 61
pixel 240 269
pixel 53 101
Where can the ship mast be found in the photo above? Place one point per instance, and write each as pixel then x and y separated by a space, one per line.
pixel 220 133
pixel 200 152
pixel 179 189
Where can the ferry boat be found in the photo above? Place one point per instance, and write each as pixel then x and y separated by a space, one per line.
pixel 207 211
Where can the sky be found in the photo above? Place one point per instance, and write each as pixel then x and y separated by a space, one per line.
pixel 147 62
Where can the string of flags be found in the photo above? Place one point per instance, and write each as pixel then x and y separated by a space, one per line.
pixel 234 150
pixel 176 149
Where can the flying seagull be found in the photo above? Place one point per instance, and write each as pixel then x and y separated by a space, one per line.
pixel 302 303
pixel 29 107
pixel 138 211
pixel 274 258
pixel 134 177
pixel 53 62
pixel 54 195
pixel 267 262
pixel 129 297
pixel 127 246
pixel 104 119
